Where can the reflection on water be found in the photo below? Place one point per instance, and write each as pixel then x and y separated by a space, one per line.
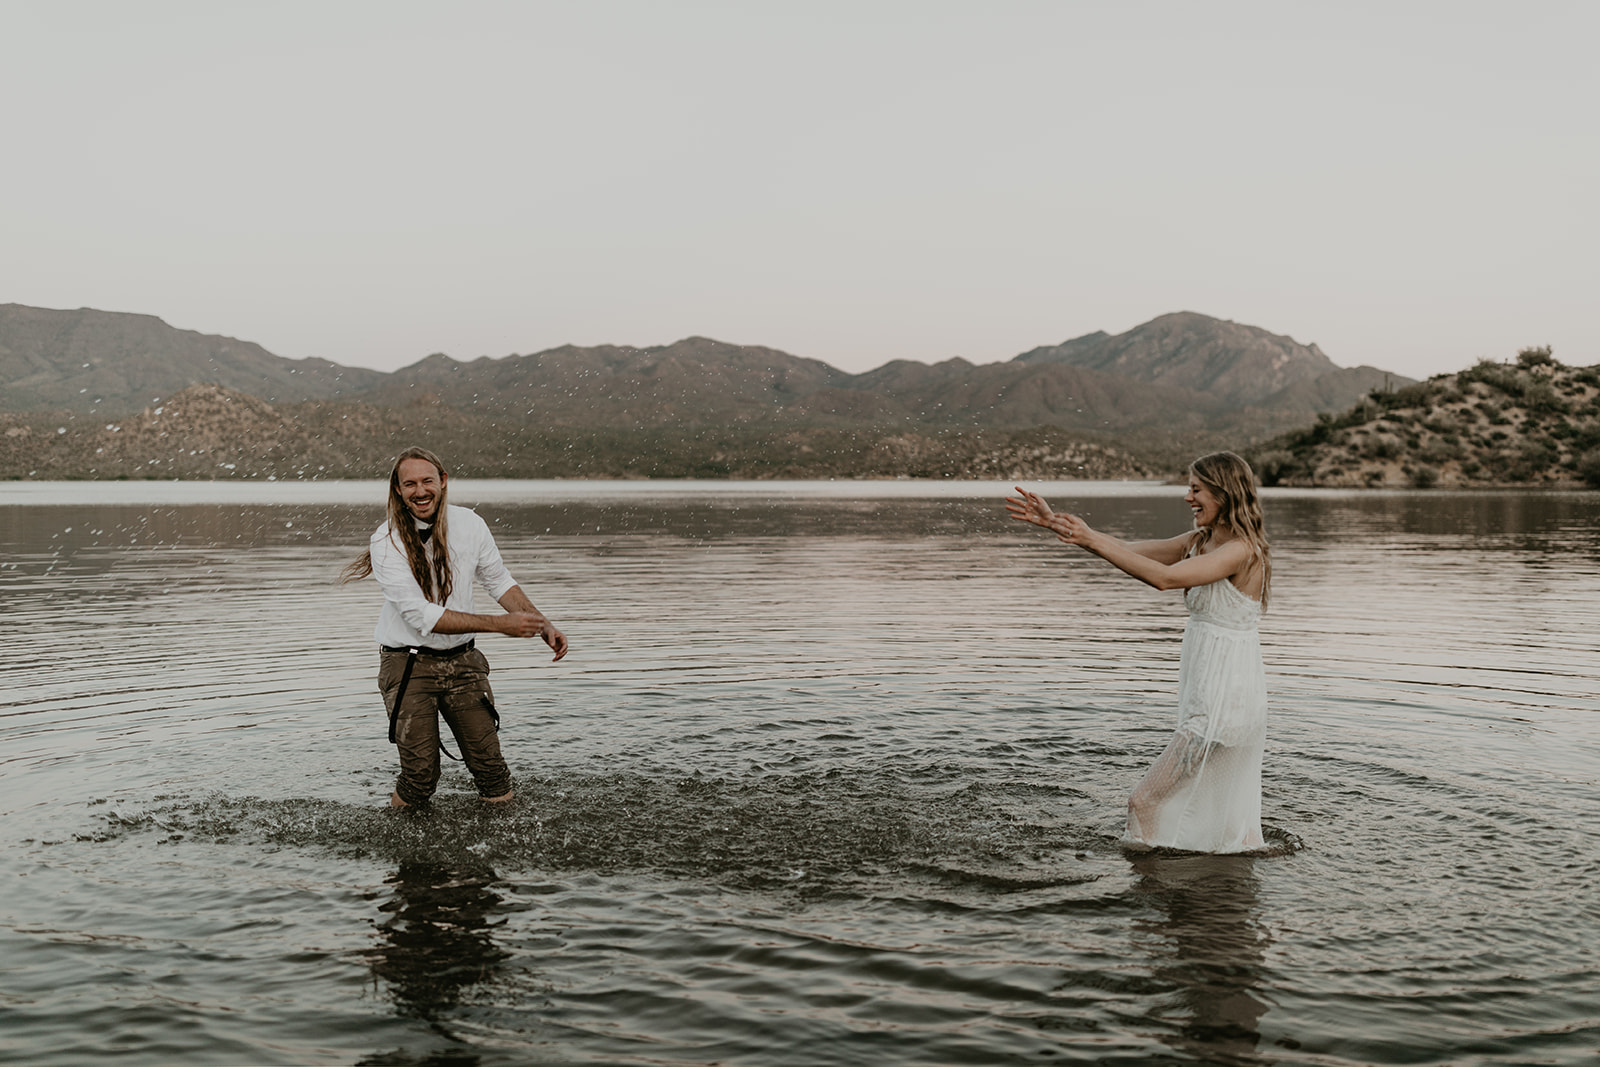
pixel 435 943
pixel 437 939
pixel 826 780
pixel 1206 939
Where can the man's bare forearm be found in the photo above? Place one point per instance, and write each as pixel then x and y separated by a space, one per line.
pixel 512 623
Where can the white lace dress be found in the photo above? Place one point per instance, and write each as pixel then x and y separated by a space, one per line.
pixel 1203 793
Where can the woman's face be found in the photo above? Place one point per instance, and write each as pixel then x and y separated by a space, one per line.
pixel 1203 503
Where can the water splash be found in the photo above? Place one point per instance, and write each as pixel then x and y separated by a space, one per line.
pixel 829 831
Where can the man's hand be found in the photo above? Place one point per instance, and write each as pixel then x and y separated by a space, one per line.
pixel 531 622
pixel 523 623
pixel 555 639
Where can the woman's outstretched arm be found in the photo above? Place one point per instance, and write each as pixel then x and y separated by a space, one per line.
pixel 1160 564
pixel 1031 507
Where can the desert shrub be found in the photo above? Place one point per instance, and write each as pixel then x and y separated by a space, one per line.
pixel 1541 397
pixel 1416 395
pixel 1382 447
pixel 1496 466
pixel 1495 375
pixel 1424 477
pixel 1316 434
pixel 1536 357
pixel 1586 435
pixel 1589 467
pixel 1530 461
pixel 1363 412
pixel 1439 452
pixel 1273 468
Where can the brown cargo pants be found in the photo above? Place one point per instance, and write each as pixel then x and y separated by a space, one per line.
pixel 456 686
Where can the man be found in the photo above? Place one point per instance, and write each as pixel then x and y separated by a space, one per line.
pixel 426 556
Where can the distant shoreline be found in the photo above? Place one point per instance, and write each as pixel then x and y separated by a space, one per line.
pixel 370 493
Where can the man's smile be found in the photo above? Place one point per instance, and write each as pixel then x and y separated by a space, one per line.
pixel 423 504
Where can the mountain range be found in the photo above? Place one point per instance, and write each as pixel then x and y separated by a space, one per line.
pixel 1177 380
pixel 115 362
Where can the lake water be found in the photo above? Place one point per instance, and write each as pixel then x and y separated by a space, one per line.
pixel 833 775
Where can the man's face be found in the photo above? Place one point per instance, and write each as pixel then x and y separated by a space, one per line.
pixel 421 486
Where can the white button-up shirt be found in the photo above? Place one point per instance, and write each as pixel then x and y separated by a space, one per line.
pixel 408 618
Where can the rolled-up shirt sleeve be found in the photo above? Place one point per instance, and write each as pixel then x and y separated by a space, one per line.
pixel 492 572
pixel 400 588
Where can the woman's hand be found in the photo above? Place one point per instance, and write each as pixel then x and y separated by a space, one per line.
pixel 1072 530
pixel 1030 507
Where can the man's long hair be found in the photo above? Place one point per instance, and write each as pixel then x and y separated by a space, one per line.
pixel 433 577
pixel 1233 483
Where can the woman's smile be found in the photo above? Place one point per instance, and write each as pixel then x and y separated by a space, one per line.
pixel 1202 503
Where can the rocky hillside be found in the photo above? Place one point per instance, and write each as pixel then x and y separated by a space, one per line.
pixel 208 432
pixel 204 431
pixel 1531 422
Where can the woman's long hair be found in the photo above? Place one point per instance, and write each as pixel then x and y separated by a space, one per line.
pixel 434 577
pixel 1233 483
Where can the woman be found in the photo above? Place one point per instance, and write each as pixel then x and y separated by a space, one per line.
pixel 1203 793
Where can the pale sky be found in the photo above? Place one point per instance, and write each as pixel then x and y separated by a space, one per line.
pixel 1410 185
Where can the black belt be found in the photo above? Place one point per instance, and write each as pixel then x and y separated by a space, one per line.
pixel 412 652
pixel 424 650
